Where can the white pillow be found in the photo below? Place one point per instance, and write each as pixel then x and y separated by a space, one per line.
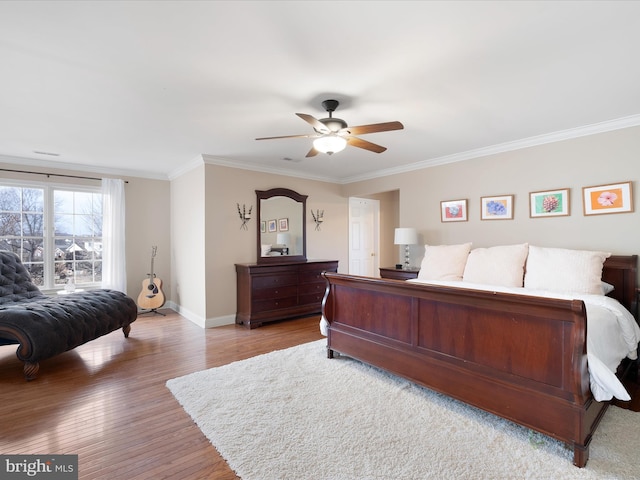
pixel 564 271
pixel 502 265
pixel 444 262
pixel 265 249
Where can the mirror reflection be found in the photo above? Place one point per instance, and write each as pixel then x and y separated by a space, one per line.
pixel 283 226
pixel 281 223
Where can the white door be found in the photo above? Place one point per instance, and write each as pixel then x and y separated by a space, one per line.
pixel 364 236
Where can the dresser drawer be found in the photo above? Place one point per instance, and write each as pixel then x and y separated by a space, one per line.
pixel 311 277
pixel 311 299
pixel 314 275
pixel 312 288
pixel 275 292
pixel 273 304
pixel 270 281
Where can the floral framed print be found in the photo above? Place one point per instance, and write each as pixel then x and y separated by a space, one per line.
pixel 272 226
pixel 453 211
pixel 496 208
pixel 612 198
pixel 283 224
pixel 550 203
pixel 263 226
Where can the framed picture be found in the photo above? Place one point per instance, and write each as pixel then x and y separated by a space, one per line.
pixel 453 211
pixel 263 226
pixel 272 226
pixel 612 198
pixel 496 208
pixel 283 224
pixel 550 203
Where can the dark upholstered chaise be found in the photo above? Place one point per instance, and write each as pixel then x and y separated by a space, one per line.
pixel 45 326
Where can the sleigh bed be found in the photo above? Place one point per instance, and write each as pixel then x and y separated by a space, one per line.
pixel 517 355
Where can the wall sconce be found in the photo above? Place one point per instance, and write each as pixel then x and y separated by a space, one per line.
pixel 406 237
pixel 244 215
pixel 318 217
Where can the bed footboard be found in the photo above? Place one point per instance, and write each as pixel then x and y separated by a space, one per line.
pixel 520 357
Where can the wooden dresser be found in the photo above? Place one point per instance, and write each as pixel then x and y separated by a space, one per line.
pixel 277 291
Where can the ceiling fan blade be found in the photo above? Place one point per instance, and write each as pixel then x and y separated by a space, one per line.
pixel 374 127
pixel 287 136
pixel 358 142
pixel 314 122
pixel 312 153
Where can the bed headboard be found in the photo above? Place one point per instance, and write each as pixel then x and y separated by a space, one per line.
pixel 621 271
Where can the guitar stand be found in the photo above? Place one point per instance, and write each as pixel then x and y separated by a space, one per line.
pixel 155 311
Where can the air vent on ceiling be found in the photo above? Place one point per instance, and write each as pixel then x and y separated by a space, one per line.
pixel 51 154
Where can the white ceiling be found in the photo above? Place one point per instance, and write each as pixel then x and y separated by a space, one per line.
pixel 146 88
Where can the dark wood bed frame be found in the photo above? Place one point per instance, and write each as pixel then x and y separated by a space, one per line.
pixel 520 357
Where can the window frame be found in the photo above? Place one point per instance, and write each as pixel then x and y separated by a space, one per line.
pixel 49 286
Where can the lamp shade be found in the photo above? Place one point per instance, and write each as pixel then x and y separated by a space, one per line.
pixel 283 239
pixel 406 236
pixel 329 144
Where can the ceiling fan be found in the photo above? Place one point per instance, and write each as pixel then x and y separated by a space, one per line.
pixel 332 134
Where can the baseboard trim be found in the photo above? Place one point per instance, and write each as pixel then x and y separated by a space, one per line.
pixel 201 321
pixel 220 321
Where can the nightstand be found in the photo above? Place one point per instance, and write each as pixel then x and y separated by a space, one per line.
pixel 399 274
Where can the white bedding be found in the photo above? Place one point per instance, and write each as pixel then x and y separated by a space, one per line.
pixel 612 334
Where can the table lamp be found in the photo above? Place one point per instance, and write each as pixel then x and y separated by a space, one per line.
pixel 283 239
pixel 406 237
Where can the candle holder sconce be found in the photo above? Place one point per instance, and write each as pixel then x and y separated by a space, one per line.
pixel 244 215
pixel 318 218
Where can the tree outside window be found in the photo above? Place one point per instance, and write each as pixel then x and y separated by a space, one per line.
pixel 71 251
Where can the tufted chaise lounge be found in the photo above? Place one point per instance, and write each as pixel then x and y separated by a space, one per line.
pixel 45 326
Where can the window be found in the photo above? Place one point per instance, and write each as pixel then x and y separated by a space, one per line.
pixel 55 229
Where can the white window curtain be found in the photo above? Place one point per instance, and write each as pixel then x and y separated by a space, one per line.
pixel 114 274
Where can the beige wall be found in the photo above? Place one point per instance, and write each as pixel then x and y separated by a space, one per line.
pixel 188 199
pixel 610 157
pixel 147 224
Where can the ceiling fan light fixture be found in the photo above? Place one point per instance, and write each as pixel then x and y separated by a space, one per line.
pixel 332 134
pixel 330 144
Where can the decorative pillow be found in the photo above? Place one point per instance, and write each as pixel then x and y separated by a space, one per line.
pixel 444 262
pixel 265 249
pixel 502 265
pixel 565 271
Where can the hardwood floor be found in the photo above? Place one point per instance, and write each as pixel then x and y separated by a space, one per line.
pixel 107 401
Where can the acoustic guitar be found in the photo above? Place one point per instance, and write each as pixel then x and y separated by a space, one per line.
pixel 151 297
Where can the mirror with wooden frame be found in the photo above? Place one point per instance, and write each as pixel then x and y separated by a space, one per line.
pixel 281 226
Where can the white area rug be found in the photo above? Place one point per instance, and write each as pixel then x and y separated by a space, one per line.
pixel 296 415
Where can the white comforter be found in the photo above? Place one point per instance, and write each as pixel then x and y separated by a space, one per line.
pixel 612 335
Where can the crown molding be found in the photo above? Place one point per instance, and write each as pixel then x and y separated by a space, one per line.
pixel 559 136
pixel 212 160
pixel 187 167
pixel 79 167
